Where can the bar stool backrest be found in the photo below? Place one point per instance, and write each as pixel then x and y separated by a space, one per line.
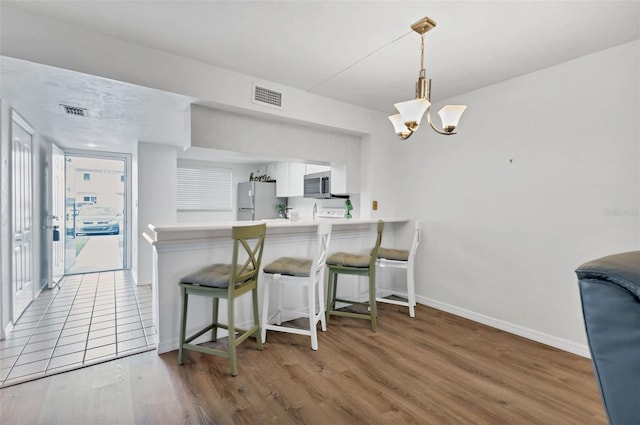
pixel 376 248
pixel 417 233
pixel 322 249
pixel 251 239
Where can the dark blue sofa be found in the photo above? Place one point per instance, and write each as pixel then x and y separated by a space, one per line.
pixel 610 293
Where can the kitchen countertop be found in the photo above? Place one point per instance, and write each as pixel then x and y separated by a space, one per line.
pixel 197 231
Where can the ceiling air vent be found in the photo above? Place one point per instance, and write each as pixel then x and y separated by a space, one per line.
pixel 75 111
pixel 267 97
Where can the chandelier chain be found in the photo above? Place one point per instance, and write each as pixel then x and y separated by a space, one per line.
pixel 422 56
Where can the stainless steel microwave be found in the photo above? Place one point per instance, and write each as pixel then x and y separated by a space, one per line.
pixel 317 185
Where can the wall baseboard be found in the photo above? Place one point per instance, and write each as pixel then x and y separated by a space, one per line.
pixel 553 341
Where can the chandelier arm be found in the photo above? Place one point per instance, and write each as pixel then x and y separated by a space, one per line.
pixel 405 136
pixel 436 129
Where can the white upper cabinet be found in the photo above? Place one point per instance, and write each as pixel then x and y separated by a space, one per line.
pixel 345 177
pixel 339 180
pixel 290 179
pixel 313 168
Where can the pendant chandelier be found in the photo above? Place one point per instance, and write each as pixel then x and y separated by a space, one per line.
pixel 410 112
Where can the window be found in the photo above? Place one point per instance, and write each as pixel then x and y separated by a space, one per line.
pixel 122 178
pixel 203 188
pixel 86 177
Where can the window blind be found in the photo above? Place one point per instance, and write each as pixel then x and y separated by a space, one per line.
pixel 203 188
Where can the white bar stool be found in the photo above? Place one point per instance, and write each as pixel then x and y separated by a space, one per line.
pixel 402 259
pixel 301 272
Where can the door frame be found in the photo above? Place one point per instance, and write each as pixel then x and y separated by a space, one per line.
pixel 50 220
pixel 4 263
pixel 126 254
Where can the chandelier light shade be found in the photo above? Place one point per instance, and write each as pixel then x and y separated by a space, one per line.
pixel 398 124
pixel 411 111
pixel 450 115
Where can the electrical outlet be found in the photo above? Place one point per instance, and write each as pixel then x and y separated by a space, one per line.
pixel 375 205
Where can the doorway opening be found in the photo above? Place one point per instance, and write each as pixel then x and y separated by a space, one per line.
pixel 95 213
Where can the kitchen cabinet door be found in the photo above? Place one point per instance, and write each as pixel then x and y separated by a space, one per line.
pixel 282 179
pixel 290 179
pixel 314 168
pixel 296 178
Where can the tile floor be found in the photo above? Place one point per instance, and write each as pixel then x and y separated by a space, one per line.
pixel 88 319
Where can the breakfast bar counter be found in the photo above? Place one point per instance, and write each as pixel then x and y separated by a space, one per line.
pixel 196 231
pixel 179 249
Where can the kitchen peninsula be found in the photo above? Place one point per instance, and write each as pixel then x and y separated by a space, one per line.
pixel 179 249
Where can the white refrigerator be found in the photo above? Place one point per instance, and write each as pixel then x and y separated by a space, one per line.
pixel 257 200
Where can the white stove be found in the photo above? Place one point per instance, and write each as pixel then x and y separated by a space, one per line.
pixel 331 213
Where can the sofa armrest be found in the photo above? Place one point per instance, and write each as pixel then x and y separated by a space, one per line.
pixel 621 269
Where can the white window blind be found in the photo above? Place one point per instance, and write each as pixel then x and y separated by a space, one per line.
pixel 203 188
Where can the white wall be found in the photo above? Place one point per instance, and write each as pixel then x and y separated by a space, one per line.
pixel 156 199
pixel 542 177
pixel 217 129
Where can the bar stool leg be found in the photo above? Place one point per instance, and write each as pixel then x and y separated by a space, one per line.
pixel 279 314
pixel 373 307
pixel 214 316
pixel 331 298
pixel 313 326
pixel 232 338
pixel 256 318
pixel 183 321
pixel 321 305
pixel 411 290
pixel 265 307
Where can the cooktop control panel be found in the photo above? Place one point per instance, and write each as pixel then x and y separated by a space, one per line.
pixel 331 213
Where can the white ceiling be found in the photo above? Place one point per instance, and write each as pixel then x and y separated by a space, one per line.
pixel 360 52
pixel 118 113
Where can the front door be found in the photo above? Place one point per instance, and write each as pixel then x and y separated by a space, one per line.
pixel 22 217
pixel 56 231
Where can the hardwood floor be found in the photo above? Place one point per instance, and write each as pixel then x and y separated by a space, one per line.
pixel 434 369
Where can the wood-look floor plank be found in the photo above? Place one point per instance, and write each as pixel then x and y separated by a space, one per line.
pixel 22 404
pixel 435 368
